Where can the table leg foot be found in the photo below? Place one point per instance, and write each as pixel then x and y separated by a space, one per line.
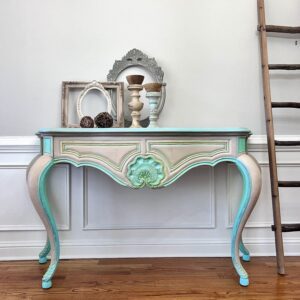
pixel 43 254
pixel 246 257
pixel 245 251
pixel 46 284
pixel 244 281
pixel 43 259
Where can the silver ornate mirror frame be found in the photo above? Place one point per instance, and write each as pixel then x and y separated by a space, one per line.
pixel 136 58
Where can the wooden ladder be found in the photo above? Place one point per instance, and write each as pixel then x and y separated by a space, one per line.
pixel 278 227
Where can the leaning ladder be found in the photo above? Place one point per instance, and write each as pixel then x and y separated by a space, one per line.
pixel 278 228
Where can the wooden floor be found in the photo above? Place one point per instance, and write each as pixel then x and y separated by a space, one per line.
pixel 150 278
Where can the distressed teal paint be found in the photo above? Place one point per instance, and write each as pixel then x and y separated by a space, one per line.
pixel 244 281
pixel 247 187
pixel 145 171
pixel 43 259
pixel 43 254
pixel 242 145
pixel 48 145
pixel 46 281
pixel 146 130
pixel 245 251
pixel 246 257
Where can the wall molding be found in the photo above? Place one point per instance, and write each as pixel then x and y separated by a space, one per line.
pixel 86 226
pixel 258 143
pixel 75 249
pixel 19 144
pixel 24 143
pixel 67 217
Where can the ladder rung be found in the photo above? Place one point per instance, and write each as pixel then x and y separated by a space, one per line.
pixel 284 67
pixel 287 143
pixel 287 227
pixel 289 183
pixel 286 104
pixel 282 29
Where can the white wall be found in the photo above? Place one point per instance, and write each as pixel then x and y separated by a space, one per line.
pixel 209 51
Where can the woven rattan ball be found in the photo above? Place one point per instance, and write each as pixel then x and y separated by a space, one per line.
pixel 87 122
pixel 104 120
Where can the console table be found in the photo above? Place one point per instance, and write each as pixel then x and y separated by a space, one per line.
pixel 143 157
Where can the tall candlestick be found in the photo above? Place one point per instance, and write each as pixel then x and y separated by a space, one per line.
pixel 135 105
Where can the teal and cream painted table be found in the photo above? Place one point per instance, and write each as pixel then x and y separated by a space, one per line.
pixel 139 158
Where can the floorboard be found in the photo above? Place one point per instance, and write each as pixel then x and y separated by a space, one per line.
pixel 151 278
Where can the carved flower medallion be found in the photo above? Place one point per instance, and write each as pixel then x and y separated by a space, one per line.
pixel 145 171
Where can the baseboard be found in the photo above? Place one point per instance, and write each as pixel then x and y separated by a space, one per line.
pixel 189 248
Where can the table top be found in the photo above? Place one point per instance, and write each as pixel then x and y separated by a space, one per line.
pixel 165 131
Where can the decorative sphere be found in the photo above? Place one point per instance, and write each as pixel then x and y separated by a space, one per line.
pixel 104 120
pixel 87 122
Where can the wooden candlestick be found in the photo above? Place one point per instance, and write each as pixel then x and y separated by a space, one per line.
pixel 153 95
pixel 135 105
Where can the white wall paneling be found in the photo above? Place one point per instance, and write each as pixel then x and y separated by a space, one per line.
pixel 190 203
pixel 18 214
pixel 262 214
pixel 192 217
pixel 165 248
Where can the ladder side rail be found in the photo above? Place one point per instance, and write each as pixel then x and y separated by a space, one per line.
pixel 270 138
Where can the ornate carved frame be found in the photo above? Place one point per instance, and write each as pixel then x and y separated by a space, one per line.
pixel 94 85
pixel 112 88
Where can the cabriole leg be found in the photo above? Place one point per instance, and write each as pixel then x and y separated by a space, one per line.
pixel 46 250
pixel 251 175
pixel 36 181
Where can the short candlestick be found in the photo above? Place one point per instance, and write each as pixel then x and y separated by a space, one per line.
pixel 153 95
